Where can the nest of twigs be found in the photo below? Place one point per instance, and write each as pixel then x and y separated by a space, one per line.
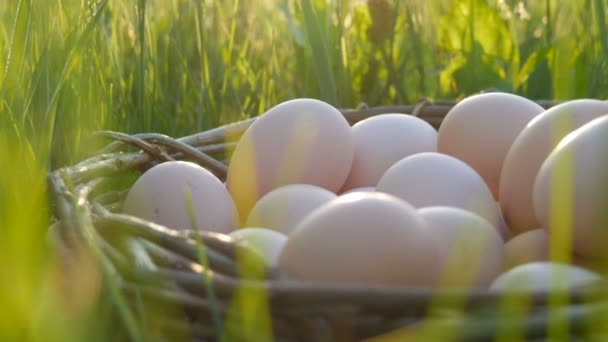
pixel 201 273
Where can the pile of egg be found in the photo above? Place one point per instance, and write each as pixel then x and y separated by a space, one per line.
pixel 500 193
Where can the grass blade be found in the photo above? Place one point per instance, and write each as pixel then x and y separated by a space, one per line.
pixel 202 256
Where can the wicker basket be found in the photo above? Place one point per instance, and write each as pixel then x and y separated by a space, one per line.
pixel 143 262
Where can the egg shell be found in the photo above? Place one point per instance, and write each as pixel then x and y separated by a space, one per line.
pixel 543 276
pixel 530 150
pixel 159 195
pixel 534 246
pixel 434 179
pixel 481 128
pixel 268 243
pixel 471 252
pixel 571 189
pixel 362 239
pixel 380 141
pixel 363 189
pixel 283 208
pixel 302 141
pixel 529 246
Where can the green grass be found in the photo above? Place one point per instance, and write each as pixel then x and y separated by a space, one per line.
pixel 70 67
pixel 178 67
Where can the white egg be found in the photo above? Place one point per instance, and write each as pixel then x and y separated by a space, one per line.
pixel 268 243
pixel 382 140
pixel 364 239
pixel 283 208
pixel 481 128
pixel 434 179
pixel 543 276
pixel 302 141
pixel 159 196
pixel 363 189
pixel 527 247
pixel 530 150
pixel 571 189
pixel 471 250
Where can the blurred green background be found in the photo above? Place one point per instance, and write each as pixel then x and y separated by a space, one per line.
pixel 70 67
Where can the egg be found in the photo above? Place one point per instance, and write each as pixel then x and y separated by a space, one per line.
pixel 534 245
pixel 481 128
pixel 159 195
pixel 283 208
pixel 362 239
pixel 527 247
pixel 543 276
pixel 362 189
pixel 471 252
pixel 268 243
pixel 382 140
pixel 530 150
pixel 571 189
pixel 434 179
pixel 301 141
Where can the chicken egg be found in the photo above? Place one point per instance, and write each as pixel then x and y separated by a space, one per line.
pixel 471 252
pixel 268 243
pixel 543 276
pixel 159 196
pixel 382 140
pixel 302 141
pixel 283 208
pixel 480 129
pixel 530 150
pixel 434 179
pixel 534 245
pixel 527 247
pixel 571 189
pixel 362 189
pixel 366 239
